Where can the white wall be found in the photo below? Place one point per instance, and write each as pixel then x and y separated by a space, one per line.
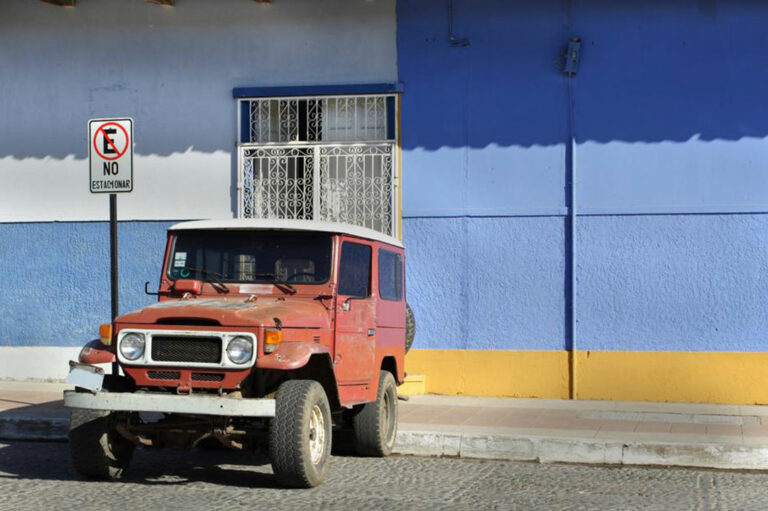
pixel 173 71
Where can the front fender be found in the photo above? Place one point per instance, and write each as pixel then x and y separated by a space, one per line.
pixel 96 353
pixel 291 355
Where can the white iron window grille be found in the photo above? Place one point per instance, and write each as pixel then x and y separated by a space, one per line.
pixel 330 158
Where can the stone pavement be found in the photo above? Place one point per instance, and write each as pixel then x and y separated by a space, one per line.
pixel 602 432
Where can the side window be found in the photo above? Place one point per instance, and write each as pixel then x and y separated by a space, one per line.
pixel 390 275
pixel 355 270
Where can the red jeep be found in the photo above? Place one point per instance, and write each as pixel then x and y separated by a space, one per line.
pixel 265 331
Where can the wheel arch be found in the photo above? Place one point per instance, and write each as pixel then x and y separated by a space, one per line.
pixel 320 369
pixel 389 363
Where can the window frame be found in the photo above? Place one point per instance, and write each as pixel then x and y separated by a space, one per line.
pixel 391 220
pixel 172 251
pixel 399 282
pixel 370 269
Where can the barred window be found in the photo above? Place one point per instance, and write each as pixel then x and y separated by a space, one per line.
pixel 329 158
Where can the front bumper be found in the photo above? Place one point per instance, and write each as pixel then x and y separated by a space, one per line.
pixel 170 403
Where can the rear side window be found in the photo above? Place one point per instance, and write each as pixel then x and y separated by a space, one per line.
pixel 390 275
pixel 355 270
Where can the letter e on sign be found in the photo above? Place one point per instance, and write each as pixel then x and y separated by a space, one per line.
pixel 110 153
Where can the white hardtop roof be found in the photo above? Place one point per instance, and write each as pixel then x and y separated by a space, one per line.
pixel 258 224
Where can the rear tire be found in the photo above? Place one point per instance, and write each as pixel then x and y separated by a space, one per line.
pixel 375 426
pixel 96 449
pixel 300 434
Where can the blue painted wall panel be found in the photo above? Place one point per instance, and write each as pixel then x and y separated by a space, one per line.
pixel 670 105
pixel 673 282
pixel 55 278
pixel 483 127
pixel 486 283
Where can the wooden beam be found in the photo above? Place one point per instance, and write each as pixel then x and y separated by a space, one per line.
pixel 63 3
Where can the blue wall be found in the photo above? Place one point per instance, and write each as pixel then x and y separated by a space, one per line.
pixel 670 131
pixel 55 278
pixel 670 152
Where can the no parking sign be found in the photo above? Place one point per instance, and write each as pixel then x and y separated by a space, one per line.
pixel 110 150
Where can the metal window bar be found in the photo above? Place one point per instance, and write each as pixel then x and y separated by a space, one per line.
pixel 328 158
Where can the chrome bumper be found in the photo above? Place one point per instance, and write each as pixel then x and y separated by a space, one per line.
pixel 170 403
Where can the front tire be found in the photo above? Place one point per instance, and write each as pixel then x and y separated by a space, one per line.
pixel 300 434
pixel 375 426
pixel 96 449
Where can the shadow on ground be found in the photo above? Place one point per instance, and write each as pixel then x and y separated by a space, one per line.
pixel 214 465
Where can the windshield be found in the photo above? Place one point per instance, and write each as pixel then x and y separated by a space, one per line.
pixel 251 256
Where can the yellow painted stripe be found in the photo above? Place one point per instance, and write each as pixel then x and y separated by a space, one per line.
pixel 698 377
pixel 491 372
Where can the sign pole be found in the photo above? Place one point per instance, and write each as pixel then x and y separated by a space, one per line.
pixel 110 158
pixel 113 264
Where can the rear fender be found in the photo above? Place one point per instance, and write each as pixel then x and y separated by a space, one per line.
pixel 96 353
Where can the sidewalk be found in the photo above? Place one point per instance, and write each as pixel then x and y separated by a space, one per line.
pixel 605 432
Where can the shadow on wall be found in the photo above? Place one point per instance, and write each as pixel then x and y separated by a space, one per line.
pixel 649 72
pixel 172 69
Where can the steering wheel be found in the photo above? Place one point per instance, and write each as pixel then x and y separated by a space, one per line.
pixel 298 275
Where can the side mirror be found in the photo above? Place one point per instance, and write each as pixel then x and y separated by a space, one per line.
pixel 191 286
pixel 147 291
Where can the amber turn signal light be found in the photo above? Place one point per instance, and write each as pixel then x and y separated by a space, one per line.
pixel 105 333
pixel 272 338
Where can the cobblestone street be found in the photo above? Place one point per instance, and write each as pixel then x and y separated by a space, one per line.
pixel 35 475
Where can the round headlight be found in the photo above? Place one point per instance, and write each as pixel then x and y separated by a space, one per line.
pixel 239 350
pixel 132 346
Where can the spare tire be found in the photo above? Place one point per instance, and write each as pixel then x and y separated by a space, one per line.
pixel 410 327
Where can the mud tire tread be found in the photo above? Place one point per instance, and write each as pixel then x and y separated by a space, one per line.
pixel 95 450
pixel 288 449
pixel 369 431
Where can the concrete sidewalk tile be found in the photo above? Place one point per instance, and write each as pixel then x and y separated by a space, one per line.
pixel 724 429
pixel 618 425
pixel 653 427
pixel 699 429
pixel 755 430
pixel 487 417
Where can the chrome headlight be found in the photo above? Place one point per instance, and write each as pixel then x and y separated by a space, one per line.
pixel 132 346
pixel 240 350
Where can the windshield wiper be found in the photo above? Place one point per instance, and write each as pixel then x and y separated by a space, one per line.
pixel 213 277
pixel 279 283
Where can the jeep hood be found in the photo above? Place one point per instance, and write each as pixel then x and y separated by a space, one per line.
pixel 236 311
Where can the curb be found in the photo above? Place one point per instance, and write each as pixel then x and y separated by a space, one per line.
pixel 588 451
pixel 500 447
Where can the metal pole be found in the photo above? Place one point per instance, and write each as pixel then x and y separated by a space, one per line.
pixel 113 264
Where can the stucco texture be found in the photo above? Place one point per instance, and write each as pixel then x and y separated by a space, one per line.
pixel 672 282
pixel 486 283
pixel 55 278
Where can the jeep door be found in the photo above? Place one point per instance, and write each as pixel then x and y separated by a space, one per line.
pixel 355 347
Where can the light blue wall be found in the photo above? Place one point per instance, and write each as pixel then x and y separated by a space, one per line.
pixel 669 116
pixel 672 282
pixel 55 278
pixel 485 283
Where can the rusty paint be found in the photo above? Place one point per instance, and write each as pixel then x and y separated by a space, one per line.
pixel 313 321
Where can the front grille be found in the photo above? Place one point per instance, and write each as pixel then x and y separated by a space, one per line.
pixel 164 375
pixel 166 348
pixel 207 376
